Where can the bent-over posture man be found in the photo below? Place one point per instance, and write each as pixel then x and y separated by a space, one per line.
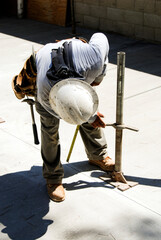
pixel 85 62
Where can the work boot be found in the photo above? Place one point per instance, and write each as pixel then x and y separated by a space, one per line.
pixel 56 192
pixel 106 164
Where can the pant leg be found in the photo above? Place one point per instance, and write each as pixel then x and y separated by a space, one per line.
pixel 50 146
pixel 94 142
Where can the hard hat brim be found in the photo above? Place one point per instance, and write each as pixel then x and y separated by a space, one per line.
pixel 72 81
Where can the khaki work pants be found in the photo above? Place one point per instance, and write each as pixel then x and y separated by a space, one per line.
pixel 93 138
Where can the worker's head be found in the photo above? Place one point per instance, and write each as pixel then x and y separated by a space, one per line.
pixel 73 100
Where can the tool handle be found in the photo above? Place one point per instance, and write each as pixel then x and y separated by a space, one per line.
pixel 122 126
pixel 132 128
pixel 36 140
pixel 72 144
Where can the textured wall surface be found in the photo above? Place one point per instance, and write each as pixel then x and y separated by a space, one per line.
pixel 50 11
pixel 136 18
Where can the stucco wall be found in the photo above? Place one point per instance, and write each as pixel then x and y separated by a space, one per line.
pixel 137 18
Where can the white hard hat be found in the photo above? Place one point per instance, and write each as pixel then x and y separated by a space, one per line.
pixel 75 101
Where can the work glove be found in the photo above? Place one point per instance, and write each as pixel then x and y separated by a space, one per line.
pixel 98 122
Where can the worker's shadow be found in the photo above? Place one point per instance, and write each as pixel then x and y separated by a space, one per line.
pixel 78 167
pixel 23 204
pixel 91 171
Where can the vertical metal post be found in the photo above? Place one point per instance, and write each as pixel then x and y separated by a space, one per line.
pixel 119 109
pixel 118 180
pixel 20 8
pixel 73 16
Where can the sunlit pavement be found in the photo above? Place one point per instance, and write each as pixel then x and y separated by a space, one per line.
pixel 93 209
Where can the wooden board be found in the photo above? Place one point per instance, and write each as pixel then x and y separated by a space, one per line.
pixel 50 11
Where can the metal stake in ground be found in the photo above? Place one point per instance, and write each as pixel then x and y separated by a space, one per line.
pixel 119 110
pixel 118 180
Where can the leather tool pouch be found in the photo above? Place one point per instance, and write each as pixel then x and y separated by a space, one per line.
pixel 24 84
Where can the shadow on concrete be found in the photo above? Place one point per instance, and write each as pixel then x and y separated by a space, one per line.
pixel 23 205
pixel 71 169
pixel 140 55
pixel 145 228
pixel 83 166
pixel 34 31
pixel 24 201
pixel 81 184
pixel 144 181
pixel 90 233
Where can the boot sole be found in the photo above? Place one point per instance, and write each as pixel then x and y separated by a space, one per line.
pixel 57 200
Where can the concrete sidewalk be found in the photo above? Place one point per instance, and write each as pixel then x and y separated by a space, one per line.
pixel 93 209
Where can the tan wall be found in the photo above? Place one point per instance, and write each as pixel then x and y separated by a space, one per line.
pixel 136 18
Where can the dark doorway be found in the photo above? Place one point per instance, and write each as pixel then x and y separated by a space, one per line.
pixel 8 8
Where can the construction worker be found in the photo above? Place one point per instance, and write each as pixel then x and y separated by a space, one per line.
pixel 65 73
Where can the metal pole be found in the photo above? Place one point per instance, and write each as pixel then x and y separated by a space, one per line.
pixel 118 180
pixel 20 8
pixel 119 109
pixel 73 16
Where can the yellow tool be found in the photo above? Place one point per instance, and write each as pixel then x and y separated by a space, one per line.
pixel 73 141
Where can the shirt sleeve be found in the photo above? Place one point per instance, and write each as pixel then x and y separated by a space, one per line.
pixel 92 119
pixel 100 41
pixel 91 59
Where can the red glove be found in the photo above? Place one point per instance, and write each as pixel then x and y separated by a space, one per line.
pixel 98 121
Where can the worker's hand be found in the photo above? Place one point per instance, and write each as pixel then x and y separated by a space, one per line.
pixel 98 121
pixel 94 84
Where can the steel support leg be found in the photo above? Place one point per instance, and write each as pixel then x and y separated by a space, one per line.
pixel 118 180
pixel 119 110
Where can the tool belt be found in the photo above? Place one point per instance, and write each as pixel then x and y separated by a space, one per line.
pixel 62 64
pixel 24 84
